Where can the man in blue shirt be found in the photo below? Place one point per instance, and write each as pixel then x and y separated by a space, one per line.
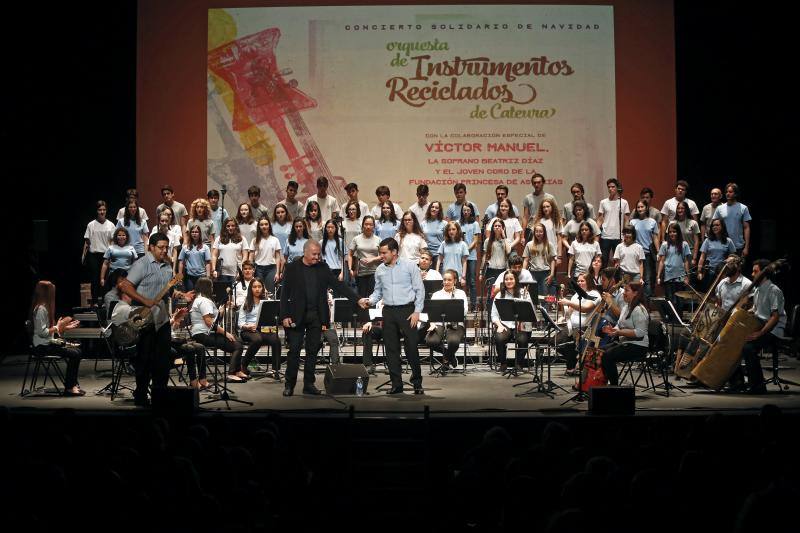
pixel 399 284
pixel 736 217
pixel 454 211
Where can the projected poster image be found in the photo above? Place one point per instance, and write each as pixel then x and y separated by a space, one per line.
pixel 409 95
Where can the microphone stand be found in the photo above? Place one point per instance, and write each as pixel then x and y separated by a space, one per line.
pixel 580 395
pixel 224 395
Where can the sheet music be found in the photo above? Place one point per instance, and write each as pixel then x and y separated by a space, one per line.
pixel 375 313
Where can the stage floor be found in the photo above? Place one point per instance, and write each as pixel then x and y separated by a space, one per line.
pixel 479 390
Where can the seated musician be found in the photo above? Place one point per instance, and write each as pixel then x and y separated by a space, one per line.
pixel 193 353
pixel 578 313
pixel 45 329
pixel 630 333
pixel 248 329
pixel 515 263
pixel 372 331
pixel 425 261
pixel 454 333
pixel 207 332
pixel 508 330
pixel 768 307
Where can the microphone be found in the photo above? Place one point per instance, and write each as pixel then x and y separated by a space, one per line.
pixel 241 277
pixel 223 189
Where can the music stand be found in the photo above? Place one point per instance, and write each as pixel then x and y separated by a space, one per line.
pixel 514 311
pixel 544 386
pixel 672 317
pixel 431 286
pixel 446 311
pixel 582 295
pixel 268 322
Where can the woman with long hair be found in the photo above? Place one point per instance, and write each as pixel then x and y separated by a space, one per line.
pixel 332 249
pixel 363 257
pixel 453 252
pixel 577 217
pixel 247 224
pixel 673 263
pixel 200 215
pixel 410 237
pixel 647 235
pixel 472 233
pixel 505 212
pixel 387 225
pixel 96 240
pixel 715 249
pixel 281 225
pixel 549 217
pixel 194 260
pixel 266 255
pixel 314 220
pixel 352 221
pixel 433 228
pixel 577 312
pixel 447 340
pixel 248 329
pixel 231 248
pixel 506 331
pixel 582 251
pixel 205 330
pixel 297 239
pixel 137 228
pixel 495 251
pixel 690 229
pixel 540 259
pixel 119 256
pixel 165 226
pixel 45 329
pixel 631 332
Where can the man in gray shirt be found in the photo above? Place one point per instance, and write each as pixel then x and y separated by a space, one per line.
pixel 531 203
pixel 178 209
pixel 399 284
pixel 148 277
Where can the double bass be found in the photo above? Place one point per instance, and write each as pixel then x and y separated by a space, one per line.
pixel 725 353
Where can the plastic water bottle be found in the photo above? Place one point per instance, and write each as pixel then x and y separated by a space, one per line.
pixel 359 386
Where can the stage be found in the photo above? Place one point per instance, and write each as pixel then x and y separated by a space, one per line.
pixel 478 391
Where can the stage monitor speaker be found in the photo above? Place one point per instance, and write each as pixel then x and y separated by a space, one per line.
pixel 176 400
pixel 341 378
pixel 612 401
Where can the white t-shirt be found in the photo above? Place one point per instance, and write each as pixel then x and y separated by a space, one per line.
pixel 248 231
pixel 511 224
pixel 671 206
pixel 571 228
pixel 201 307
pixel 410 246
pixel 550 230
pixel 431 275
pixel 265 254
pixel 241 293
pixel 574 316
pixel 610 211
pixel 524 277
pixel 232 255
pixel 584 253
pixel 174 234
pixel 327 206
pixel 99 235
pixel 376 212
pixel 444 295
pixel 142 214
pixel 419 211
pixel 629 257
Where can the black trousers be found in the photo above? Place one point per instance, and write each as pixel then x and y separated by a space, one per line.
pixel 194 355
pixel 752 364
pixel 607 247
pixel 620 353
pixel 365 285
pixel 255 340
pixel 94 263
pixel 520 338
pixel 453 336
pixel 375 334
pixel 70 354
pixel 153 360
pixel 309 331
pixel 395 323
pixel 217 340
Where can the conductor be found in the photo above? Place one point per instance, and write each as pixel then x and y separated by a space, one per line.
pixel 304 310
pixel 399 284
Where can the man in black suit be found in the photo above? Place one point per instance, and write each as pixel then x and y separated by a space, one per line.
pixel 304 309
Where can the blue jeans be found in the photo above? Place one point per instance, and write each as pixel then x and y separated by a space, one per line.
pixel 267 275
pixel 540 276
